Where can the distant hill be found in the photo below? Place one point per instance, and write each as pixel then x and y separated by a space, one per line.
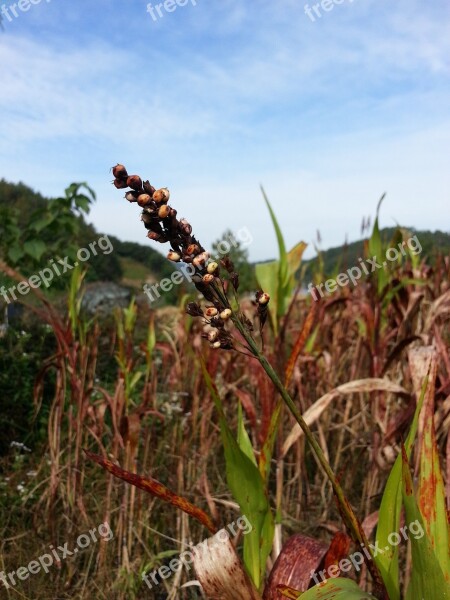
pixel 130 264
pixel 345 256
pixel 133 264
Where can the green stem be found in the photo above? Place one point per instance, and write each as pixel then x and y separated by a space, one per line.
pixel 350 519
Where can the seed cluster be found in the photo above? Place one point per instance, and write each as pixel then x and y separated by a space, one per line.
pixel 211 279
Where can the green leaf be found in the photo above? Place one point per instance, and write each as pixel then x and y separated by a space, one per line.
pixel 294 260
pixel 336 589
pixel 376 249
pixel 244 441
pixel 15 253
pixel 34 248
pixel 42 222
pixel 277 278
pixel 431 489
pixel 427 579
pixel 267 275
pixel 82 203
pixel 247 487
pixel 389 514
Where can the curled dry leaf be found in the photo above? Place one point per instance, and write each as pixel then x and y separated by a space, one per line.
pixel 220 570
pixel 360 385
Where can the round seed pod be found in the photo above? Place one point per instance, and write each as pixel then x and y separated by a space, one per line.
pixel 216 345
pixel 185 227
pixel 131 197
pixel 161 196
pixel 264 299
pixel 225 314
pixel 208 279
pixel 201 259
pixel 211 312
pixel 213 335
pixel 164 211
pixel 144 200
pixel 120 172
pixel 212 267
pixel 134 182
pixel 192 249
pixel 174 256
pixel 120 184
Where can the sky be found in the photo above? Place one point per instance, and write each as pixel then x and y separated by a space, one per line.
pixel 218 97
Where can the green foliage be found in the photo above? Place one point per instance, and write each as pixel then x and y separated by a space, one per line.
pixel 34 230
pixel 277 278
pixel 336 589
pixel 249 491
pixel 427 578
pixel 21 356
pixel 239 255
pixel 342 257
pixel 389 514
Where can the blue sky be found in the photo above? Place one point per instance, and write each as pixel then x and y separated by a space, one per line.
pixel 216 98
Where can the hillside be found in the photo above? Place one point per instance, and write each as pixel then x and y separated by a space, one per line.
pixel 130 264
pixel 341 257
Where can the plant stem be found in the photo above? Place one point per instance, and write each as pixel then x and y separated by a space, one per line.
pixel 350 519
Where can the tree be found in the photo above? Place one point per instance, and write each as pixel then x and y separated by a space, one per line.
pixel 238 253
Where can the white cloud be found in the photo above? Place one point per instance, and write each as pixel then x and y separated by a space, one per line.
pixel 327 115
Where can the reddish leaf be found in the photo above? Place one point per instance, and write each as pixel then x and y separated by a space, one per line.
pixel 299 558
pixel 339 549
pixel 155 488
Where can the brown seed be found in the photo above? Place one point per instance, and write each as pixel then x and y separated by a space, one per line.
pixel 213 335
pixel 174 256
pixel 153 235
pixel 211 312
pixel 164 211
pixel 144 200
pixel 119 172
pixel 192 249
pixel 208 279
pixel 120 184
pixel 185 227
pixel 212 267
pixel 264 299
pixel 161 196
pixel 134 182
pixel 200 260
pixel 131 196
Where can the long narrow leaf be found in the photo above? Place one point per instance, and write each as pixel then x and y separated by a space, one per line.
pixel 155 488
pixel 427 579
pixel 248 489
pixel 389 514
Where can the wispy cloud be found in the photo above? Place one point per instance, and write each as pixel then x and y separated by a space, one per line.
pixel 232 92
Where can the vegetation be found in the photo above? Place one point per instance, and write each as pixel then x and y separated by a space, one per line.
pixel 272 408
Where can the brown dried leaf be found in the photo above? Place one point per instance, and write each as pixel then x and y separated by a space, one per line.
pixel 300 556
pixel 220 570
